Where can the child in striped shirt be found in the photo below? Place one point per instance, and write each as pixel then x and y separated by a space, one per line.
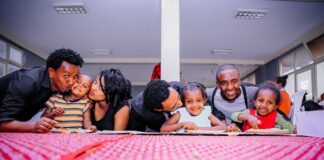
pixel 72 111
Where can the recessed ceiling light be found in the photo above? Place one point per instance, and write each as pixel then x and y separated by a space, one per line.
pixel 221 51
pixel 250 13
pixel 100 51
pixel 70 8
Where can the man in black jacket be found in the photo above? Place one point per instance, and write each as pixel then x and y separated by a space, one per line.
pixel 24 92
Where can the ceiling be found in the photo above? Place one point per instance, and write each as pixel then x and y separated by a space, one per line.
pixel 131 30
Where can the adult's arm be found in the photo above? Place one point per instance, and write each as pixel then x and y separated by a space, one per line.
pixel 121 118
pixel 43 125
pixel 14 103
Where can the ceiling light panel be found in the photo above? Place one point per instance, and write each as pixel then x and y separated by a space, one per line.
pixel 250 13
pixel 221 51
pixel 100 51
pixel 70 8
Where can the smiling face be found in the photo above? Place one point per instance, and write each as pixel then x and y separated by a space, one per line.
pixel 194 101
pixel 265 102
pixel 96 92
pixel 82 86
pixel 64 77
pixel 229 82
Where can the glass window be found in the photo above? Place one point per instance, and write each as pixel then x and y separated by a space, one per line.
pixel 2 69
pixel 303 58
pixel 15 55
pixel 287 64
pixel 290 86
pixel 3 49
pixel 320 78
pixel 304 81
pixel 12 68
pixel 249 79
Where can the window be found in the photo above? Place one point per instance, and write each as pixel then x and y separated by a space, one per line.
pixel 290 86
pixel 287 64
pixel 16 55
pixel 2 69
pixel 304 81
pixel 303 58
pixel 299 66
pixel 320 78
pixel 12 68
pixel 3 49
pixel 249 79
pixel 11 58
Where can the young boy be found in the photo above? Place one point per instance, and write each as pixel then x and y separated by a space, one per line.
pixel 72 111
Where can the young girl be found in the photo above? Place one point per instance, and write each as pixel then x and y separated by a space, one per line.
pixel 195 115
pixel 265 116
pixel 72 111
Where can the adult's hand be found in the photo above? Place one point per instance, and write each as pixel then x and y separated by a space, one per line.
pixel 44 125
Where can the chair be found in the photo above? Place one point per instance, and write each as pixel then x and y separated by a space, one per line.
pixel 297 101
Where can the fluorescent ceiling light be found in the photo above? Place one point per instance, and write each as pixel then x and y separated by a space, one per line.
pixel 250 13
pixel 221 51
pixel 70 8
pixel 100 51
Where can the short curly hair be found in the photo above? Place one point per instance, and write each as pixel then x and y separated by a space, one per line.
pixel 56 58
pixel 155 93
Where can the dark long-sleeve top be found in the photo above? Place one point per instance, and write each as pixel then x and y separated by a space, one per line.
pixel 23 93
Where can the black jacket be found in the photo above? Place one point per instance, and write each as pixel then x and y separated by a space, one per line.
pixel 23 93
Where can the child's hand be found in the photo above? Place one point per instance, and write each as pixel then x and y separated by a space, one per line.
pixel 232 128
pixel 92 128
pixel 254 122
pixel 189 126
pixel 213 120
pixel 58 112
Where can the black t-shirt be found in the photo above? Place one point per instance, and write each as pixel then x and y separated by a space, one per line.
pixel 140 118
pixel 108 121
pixel 23 93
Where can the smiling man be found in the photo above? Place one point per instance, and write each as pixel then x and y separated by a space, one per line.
pixel 24 92
pixel 230 95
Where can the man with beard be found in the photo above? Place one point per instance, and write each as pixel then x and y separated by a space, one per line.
pixel 230 95
pixel 24 92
